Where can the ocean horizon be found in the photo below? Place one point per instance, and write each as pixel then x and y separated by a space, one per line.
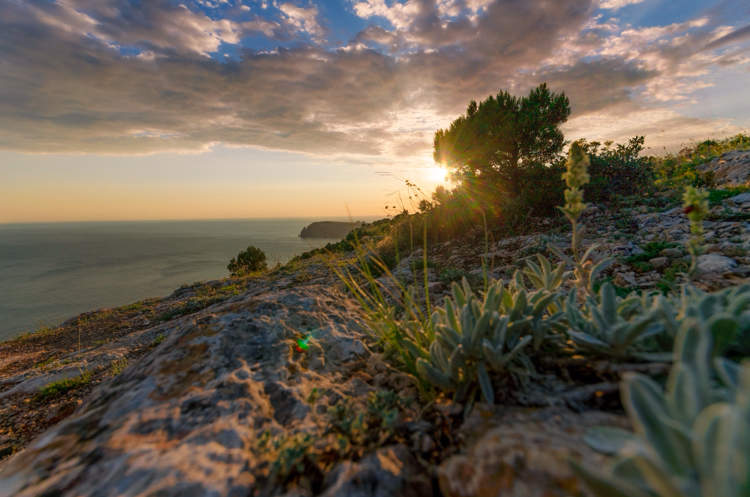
pixel 50 272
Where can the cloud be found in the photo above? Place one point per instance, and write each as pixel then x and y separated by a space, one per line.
pixel 739 35
pixel 304 19
pixel 618 4
pixel 108 76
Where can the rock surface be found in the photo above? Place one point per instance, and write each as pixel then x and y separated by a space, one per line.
pixel 715 263
pixel 185 420
pixel 522 453
pixel 731 168
pixel 387 472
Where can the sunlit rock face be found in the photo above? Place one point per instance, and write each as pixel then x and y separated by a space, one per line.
pixel 186 419
pixel 730 169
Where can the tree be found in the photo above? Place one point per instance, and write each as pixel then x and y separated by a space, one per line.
pixel 503 136
pixel 248 261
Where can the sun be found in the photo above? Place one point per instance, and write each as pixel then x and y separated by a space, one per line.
pixel 437 173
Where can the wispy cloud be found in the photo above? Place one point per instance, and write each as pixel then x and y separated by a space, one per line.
pixel 618 4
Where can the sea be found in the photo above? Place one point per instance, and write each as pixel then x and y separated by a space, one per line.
pixel 51 272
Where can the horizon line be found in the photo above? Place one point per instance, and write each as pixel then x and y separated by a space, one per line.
pixel 352 218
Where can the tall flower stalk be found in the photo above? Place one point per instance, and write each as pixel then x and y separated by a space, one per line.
pixel 696 209
pixel 576 176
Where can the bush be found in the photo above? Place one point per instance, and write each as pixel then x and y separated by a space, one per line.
pixel 250 260
pixel 618 170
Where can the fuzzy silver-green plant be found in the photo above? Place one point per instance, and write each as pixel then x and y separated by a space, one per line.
pixel 584 270
pixel 696 209
pixel 692 438
pixel 543 277
pixel 730 304
pixel 474 336
pixel 613 326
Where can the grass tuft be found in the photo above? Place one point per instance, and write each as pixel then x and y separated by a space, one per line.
pixel 60 387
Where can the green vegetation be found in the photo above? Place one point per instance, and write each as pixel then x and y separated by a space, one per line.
pixel 716 197
pixel 466 341
pixel 503 137
pixel 696 208
pixel 350 430
pixel 60 387
pixel 692 437
pixel 468 346
pixel 680 170
pixel 451 274
pixel 651 250
pixel 576 176
pixel 132 307
pixel 42 330
pixel 250 260
pixel 45 362
pixel 619 171
pixel 616 327
pixel 205 296
pixel 118 366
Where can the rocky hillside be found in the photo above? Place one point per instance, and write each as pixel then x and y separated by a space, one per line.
pixel 272 386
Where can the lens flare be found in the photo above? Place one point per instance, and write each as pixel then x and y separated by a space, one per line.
pixel 437 173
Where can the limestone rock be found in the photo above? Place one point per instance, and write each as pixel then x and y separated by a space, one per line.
pixel 731 168
pixel 388 472
pixel 658 262
pixel 715 263
pixel 742 198
pixel 672 253
pixel 185 419
pixel 435 287
pixel 522 453
pixel 732 250
pixel 625 280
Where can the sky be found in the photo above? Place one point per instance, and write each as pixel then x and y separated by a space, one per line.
pixel 199 109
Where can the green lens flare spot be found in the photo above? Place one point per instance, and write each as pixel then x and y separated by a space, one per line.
pixel 302 344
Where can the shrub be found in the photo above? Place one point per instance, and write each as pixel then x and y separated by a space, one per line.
pixel 250 260
pixel 618 170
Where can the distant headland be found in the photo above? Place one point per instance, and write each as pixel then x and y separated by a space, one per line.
pixel 329 229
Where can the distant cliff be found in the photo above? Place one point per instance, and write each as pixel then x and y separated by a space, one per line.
pixel 329 229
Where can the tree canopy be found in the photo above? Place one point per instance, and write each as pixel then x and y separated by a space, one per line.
pixel 501 137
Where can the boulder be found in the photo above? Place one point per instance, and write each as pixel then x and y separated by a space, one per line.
pixel 742 198
pixel 715 263
pixel 625 280
pixel 672 253
pixel 186 418
pixel 522 453
pixel 659 262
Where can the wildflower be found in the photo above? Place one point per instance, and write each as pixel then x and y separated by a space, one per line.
pixel 585 271
pixel 575 178
pixel 696 209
